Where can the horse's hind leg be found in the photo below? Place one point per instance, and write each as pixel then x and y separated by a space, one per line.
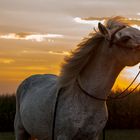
pixel 20 132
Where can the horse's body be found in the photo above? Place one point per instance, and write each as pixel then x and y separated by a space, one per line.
pixel 72 112
pixel 78 116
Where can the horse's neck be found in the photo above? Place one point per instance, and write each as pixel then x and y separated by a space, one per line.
pixel 100 75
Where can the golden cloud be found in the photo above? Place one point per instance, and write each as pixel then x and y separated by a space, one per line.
pixel 135 22
pixel 30 36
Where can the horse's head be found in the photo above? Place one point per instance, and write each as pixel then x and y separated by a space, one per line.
pixel 123 43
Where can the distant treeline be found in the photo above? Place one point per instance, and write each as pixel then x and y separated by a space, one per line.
pixel 7 112
pixel 123 113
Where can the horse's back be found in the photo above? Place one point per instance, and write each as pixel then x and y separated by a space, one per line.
pixel 35 83
pixel 37 104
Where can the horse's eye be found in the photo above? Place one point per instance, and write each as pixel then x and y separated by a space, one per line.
pixel 125 38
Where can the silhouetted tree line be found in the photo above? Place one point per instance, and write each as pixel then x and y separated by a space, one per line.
pixel 123 114
pixel 7 112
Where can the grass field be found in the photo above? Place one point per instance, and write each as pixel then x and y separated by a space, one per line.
pixel 121 135
pixel 7 136
pixel 110 135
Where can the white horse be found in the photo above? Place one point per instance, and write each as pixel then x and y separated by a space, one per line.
pixel 93 67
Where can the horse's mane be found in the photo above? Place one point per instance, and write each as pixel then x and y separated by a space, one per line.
pixel 78 59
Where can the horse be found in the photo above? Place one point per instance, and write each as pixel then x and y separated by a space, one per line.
pixel 51 107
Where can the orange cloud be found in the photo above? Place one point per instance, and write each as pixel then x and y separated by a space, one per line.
pixel 59 53
pixel 46 52
pixel 6 60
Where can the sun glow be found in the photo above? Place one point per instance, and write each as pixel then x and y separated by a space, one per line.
pixel 126 77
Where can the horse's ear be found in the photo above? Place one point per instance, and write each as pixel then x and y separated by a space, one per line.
pixel 104 31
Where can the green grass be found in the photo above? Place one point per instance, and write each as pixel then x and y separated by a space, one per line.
pixel 110 135
pixel 7 136
pixel 122 135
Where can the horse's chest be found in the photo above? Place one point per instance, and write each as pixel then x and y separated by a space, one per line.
pixel 80 127
pixel 80 119
pixel 90 122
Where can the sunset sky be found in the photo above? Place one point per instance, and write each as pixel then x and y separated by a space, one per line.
pixel 35 35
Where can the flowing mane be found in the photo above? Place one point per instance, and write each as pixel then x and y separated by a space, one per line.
pixel 78 59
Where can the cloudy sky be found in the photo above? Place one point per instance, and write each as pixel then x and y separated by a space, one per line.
pixel 35 35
